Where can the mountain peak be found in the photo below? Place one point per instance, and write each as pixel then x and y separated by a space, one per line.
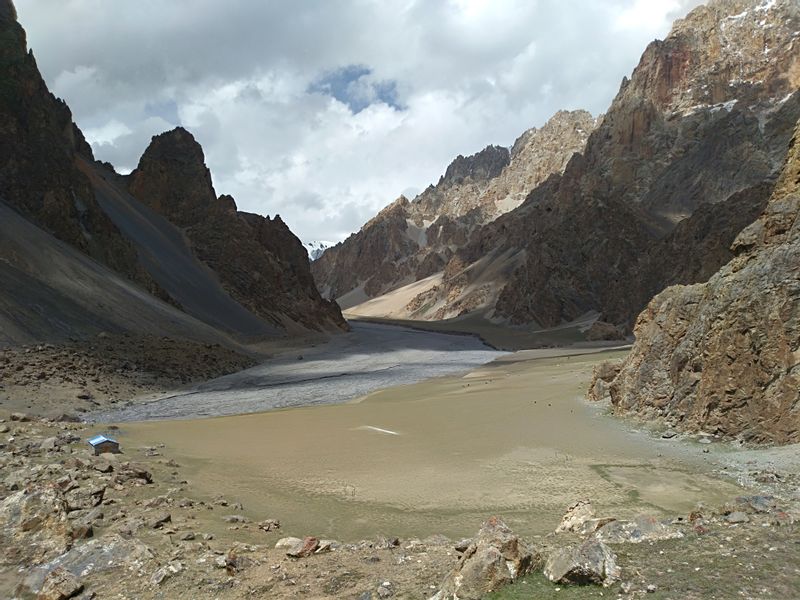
pixel 172 178
pixel 481 166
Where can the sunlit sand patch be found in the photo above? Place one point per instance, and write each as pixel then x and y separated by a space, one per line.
pixel 378 429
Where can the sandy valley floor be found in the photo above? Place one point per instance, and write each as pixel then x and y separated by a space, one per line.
pixel 514 437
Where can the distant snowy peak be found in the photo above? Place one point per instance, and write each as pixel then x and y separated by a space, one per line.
pixel 315 249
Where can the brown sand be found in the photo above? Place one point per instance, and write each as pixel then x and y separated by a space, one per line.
pixel 514 438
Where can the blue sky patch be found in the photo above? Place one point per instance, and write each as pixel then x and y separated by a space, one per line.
pixel 354 86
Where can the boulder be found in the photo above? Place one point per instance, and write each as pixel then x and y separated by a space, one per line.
pixel 644 528
pixel 36 519
pixel 287 542
pixel 577 514
pixel 85 497
pixel 304 548
pixel 592 562
pixel 60 584
pixel 96 555
pixel 495 558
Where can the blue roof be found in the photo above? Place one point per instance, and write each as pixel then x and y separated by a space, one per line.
pixel 99 439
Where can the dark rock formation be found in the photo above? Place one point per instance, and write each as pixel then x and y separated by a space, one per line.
pixel 260 263
pixel 486 164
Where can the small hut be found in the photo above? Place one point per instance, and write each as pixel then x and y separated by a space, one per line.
pixel 101 444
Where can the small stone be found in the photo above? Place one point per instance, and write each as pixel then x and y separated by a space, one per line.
pixel 159 520
pixel 235 519
pixel 269 524
pixel 326 546
pixel 651 588
pixel 50 443
pixel 82 531
pixel 187 537
pixel 737 517
pixel 20 416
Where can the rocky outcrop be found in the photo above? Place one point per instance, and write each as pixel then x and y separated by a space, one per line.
pixel 410 240
pixel 702 125
pixel 724 356
pixel 39 145
pixel 260 263
pixel 486 164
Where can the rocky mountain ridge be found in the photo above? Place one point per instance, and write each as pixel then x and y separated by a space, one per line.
pixel 410 240
pixel 703 122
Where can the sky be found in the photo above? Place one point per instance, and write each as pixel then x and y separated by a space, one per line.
pixel 324 111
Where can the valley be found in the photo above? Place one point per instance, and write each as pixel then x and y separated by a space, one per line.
pixel 564 364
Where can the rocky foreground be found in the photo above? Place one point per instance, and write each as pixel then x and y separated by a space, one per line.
pixel 68 379
pixel 74 525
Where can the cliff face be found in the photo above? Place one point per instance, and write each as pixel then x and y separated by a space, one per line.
pixel 411 240
pixel 724 356
pixel 706 116
pixel 39 145
pixel 260 263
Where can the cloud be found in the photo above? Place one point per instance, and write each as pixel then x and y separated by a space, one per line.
pixel 324 112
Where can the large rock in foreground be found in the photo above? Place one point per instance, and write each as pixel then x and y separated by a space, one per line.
pixel 590 563
pixel 494 559
pixel 724 356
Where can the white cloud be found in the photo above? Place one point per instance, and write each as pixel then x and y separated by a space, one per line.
pixel 410 84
